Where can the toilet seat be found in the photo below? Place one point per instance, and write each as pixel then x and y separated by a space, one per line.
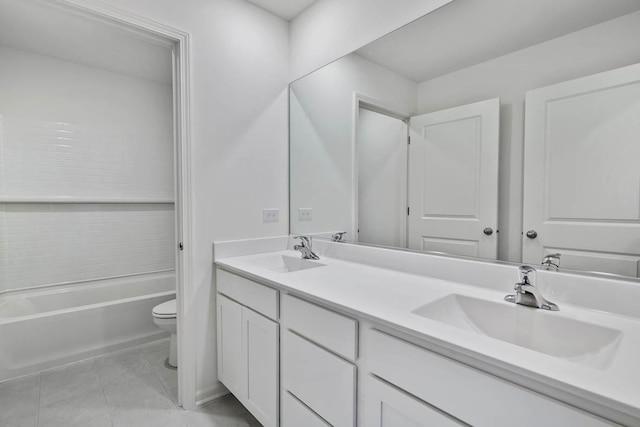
pixel 166 310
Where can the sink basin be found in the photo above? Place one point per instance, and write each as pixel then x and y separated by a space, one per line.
pixel 539 330
pixel 286 263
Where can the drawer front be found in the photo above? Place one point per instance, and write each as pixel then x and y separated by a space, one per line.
pixel 470 395
pixel 322 381
pixel 334 331
pixel 387 406
pixel 295 414
pixel 260 298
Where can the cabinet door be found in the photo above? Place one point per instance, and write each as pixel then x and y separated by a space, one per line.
pixel 231 371
pixel 387 406
pixel 260 340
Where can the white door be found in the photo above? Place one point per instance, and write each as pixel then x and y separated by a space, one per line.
pixel 260 338
pixel 453 180
pixel 382 179
pixel 582 173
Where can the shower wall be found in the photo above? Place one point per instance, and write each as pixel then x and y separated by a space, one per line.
pixel 86 172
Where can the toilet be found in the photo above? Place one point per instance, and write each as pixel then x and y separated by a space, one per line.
pixel 164 315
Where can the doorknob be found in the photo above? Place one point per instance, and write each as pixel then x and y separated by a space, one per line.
pixel 532 234
pixel 488 231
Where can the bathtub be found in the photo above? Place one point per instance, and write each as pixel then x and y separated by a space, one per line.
pixel 49 327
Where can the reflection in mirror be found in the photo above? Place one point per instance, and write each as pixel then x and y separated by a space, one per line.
pixel 352 170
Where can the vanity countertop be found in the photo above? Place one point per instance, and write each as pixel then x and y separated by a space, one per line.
pixel 389 297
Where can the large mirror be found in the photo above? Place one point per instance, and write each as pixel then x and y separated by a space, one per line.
pixel 421 139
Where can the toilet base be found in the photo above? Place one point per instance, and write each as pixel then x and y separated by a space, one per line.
pixel 172 361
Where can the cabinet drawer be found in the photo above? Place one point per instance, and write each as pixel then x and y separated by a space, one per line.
pixel 322 381
pixel 295 414
pixel 334 331
pixel 387 406
pixel 473 396
pixel 260 298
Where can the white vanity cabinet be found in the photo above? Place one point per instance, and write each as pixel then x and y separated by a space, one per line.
pixel 248 344
pixel 319 349
pixel 410 384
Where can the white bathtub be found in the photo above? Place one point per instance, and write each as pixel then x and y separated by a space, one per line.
pixel 48 327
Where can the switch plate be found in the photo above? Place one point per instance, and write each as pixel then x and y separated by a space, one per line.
pixel 270 215
pixel 305 214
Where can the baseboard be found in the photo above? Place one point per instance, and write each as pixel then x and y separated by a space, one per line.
pixel 210 393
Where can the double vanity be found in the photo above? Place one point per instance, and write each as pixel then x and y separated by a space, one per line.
pixel 367 336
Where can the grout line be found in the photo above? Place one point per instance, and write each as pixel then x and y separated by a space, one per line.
pixel 155 371
pixel 39 398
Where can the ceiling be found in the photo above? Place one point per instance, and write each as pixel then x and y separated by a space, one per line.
pixel 468 32
pixel 44 29
pixel 287 9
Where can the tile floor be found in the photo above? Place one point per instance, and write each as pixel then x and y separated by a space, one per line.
pixel 128 388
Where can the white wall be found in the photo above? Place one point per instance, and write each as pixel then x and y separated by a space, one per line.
pixel 330 29
pixel 599 48
pixel 239 69
pixel 322 108
pixel 80 133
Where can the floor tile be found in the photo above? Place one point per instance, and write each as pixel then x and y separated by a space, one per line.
pixel 226 411
pixel 123 365
pixel 157 411
pixel 135 389
pixel 19 399
pixel 83 410
pixel 128 388
pixel 68 381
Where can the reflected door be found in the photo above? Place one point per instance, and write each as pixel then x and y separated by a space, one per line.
pixel 582 173
pixel 382 179
pixel 453 180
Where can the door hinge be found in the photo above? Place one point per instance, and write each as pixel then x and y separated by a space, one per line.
pixel 181 246
pixel 408 210
pixel 409 140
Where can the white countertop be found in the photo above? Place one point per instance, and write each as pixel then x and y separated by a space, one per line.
pixel 388 297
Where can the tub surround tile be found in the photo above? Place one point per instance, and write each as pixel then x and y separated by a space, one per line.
pixel 84 410
pixel 68 381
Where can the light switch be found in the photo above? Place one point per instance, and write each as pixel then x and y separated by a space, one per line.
pixel 305 214
pixel 270 215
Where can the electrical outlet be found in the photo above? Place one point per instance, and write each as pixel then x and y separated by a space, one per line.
pixel 305 214
pixel 270 215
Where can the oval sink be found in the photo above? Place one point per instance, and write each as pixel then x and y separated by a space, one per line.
pixel 286 263
pixel 539 330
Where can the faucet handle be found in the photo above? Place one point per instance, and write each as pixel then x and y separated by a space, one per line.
pixel 524 272
pixel 551 262
pixel 337 237
pixel 305 241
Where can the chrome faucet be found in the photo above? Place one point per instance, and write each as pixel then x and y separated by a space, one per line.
pixel 551 262
pixel 527 293
pixel 305 248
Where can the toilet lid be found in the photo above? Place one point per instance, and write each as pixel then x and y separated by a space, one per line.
pixel 166 309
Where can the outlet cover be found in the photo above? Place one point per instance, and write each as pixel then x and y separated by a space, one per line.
pixel 305 214
pixel 270 215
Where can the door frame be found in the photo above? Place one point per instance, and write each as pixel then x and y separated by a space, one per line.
pixel 179 42
pixel 375 105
